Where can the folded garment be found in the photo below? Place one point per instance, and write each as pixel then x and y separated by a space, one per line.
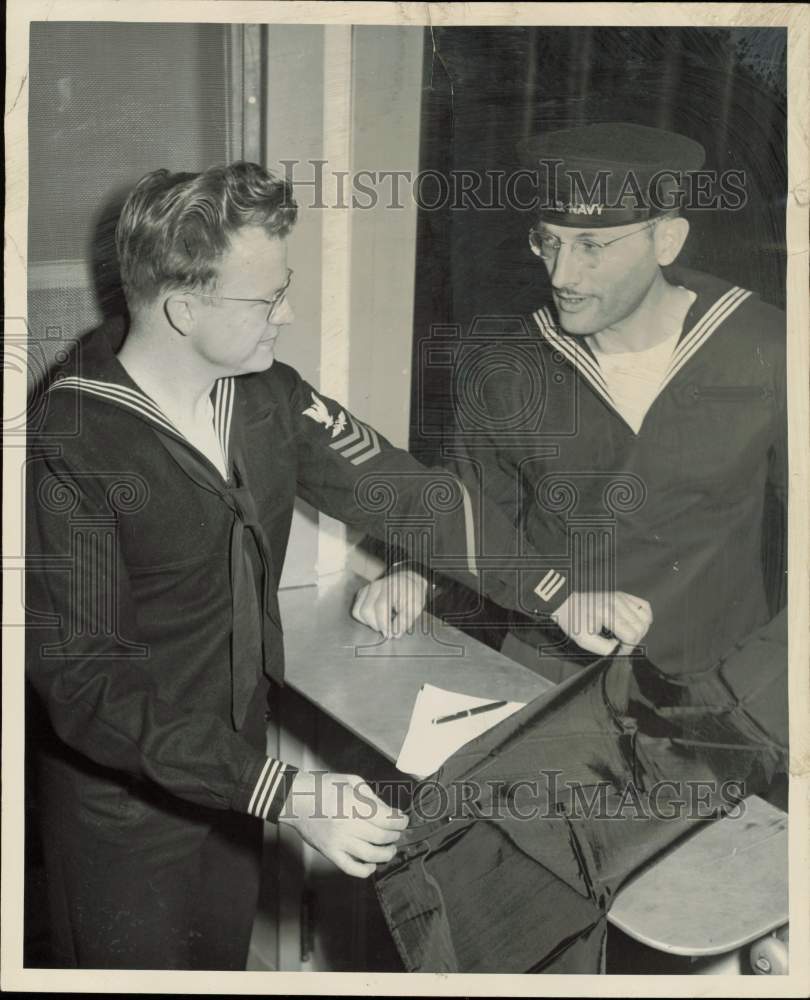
pixel 518 845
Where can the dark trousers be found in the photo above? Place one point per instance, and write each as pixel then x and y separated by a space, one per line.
pixel 138 879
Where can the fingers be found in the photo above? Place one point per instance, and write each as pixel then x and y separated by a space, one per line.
pixel 393 822
pixel 644 606
pixel 599 644
pixel 403 603
pixel 636 608
pixel 350 866
pixel 363 608
pixel 627 628
pixel 383 817
pixel 408 598
pixel 382 836
pixel 585 616
pixel 372 606
pixel 374 811
pixel 391 604
pixel 362 850
pixel 626 617
pixel 357 607
pixel 632 618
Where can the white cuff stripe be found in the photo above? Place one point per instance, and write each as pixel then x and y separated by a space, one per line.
pixel 263 786
pixel 549 585
pixel 273 790
pixel 268 781
pixel 252 802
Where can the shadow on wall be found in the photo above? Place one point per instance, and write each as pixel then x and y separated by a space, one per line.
pixel 71 321
pixel 109 293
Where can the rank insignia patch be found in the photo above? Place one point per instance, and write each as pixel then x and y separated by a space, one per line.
pixel 358 445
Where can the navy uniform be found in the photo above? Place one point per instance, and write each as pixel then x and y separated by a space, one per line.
pixel 673 507
pixel 154 635
pixel 684 509
pixel 683 499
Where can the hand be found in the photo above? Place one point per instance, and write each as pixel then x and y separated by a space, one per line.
pixel 583 616
pixel 340 816
pixel 393 603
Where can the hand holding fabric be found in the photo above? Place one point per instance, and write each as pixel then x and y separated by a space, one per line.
pixel 586 617
pixel 343 819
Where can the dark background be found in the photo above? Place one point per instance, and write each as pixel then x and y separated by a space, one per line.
pixel 485 89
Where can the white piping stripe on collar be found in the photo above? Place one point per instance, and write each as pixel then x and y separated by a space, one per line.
pixel 728 298
pixel 686 348
pixel 578 356
pixel 139 402
pixel 133 399
pixel 223 412
pixel 583 360
pixel 586 360
pixel 718 312
pixel 701 332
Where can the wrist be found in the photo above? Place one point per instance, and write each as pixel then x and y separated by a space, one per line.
pixel 301 798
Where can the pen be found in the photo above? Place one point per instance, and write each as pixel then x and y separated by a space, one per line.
pixel 469 711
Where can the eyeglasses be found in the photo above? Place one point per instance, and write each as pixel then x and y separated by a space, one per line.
pixel 588 251
pixel 272 303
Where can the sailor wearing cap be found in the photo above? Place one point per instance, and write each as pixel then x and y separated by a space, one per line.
pixel 658 395
pixel 680 383
pixel 609 223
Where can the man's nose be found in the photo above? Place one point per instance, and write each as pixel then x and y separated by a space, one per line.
pixel 566 269
pixel 283 313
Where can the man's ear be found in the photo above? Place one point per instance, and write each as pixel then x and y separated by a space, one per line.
pixel 669 237
pixel 180 310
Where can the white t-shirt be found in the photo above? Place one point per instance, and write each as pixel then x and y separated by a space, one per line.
pixel 202 435
pixel 634 377
pixel 199 432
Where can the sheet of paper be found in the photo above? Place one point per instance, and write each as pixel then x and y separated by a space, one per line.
pixel 428 745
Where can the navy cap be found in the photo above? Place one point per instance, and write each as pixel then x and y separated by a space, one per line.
pixel 610 174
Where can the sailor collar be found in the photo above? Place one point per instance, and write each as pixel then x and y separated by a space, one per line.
pixel 705 316
pixel 110 382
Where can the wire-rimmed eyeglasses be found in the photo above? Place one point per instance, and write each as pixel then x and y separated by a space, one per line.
pixel 589 251
pixel 271 303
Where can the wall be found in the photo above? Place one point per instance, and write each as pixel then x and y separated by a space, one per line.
pixel 108 102
pixel 351 97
